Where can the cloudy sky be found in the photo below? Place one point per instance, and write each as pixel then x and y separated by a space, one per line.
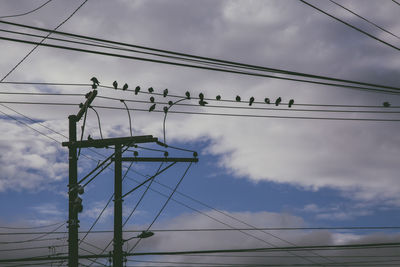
pixel 304 166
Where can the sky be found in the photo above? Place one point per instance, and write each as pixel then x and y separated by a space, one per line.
pixel 271 171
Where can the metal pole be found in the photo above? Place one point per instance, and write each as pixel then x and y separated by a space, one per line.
pixel 117 257
pixel 73 194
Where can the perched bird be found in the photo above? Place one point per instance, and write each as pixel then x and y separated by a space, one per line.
pixel 165 109
pixel 187 94
pixel 201 96
pixel 151 90
pixel 89 138
pixel 386 104
pixel 170 103
pixel 278 101
pixel 266 100
pixel 152 99
pixel 203 103
pixel 137 89
pixel 251 101
pixel 115 84
pixel 152 107
pixel 95 81
pixel 165 92
pixel 125 87
pixel 291 102
pixel 237 98
pixel 218 97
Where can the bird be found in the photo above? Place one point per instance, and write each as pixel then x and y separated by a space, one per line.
pixel 165 92
pixel 170 103
pixel 291 102
pixel 95 81
pixel 266 100
pixel 151 90
pixel 203 103
pixel 115 84
pixel 201 96
pixel 218 97
pixel 152 99
pixel 165 109
pixel 152 107
pixel 187 94
pixel 125 87
pixel 137 89
pixel 251 101
pixel 386 104
pixel 237 98
pixel 89 138
pixel 278 101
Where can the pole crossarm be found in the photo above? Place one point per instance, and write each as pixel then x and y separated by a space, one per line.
pixel 147 159
pixel 101 143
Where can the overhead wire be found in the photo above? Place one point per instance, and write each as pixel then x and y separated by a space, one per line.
pixel 26 13
pixel 351 26
pixel 208 59
pixel 365 19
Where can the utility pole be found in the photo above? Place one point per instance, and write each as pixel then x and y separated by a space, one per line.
pixel 75 202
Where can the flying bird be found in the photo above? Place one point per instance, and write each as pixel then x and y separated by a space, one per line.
pixel 386 104
pixel 165 92
pixel 237 98
pixel 115 84
pixel 152 107
pixel 291 102
pixel 203 103
pixel 151 90
pixel 251 101
pixel 266 100
pixel 278 101
pixel 201 96
pixel 125 87
pixel 218 97
pixel 137 89
pixel 187 94
pixel 152 99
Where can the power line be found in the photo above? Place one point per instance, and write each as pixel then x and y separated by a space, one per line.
pixel 208 59
pixel 26 13
pixel 38 238
pixel 396 2
pixel 367 20
pixel 31 227
pixel 351 26
pixel 215 62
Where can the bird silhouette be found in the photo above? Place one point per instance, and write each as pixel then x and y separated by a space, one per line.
pixel 115 84
pixel 291 102
pixel 152 107
pixel 170 103
pixel 165 109
pixel 251 101
pixel 201 96
pixel 165 92
pixel 151 90
pixel 125 87
pixel 89 138
pixel 218 97
pixel 266 100
pixel 238 98
pixel 152 99
pixel 278 101
pixel 187 94
pixel 137 89
pixel 203 103
pixel 386 104
pixel 95 81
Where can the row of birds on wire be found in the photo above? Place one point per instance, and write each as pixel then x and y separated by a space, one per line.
pixel 202 102
pixel 201 98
